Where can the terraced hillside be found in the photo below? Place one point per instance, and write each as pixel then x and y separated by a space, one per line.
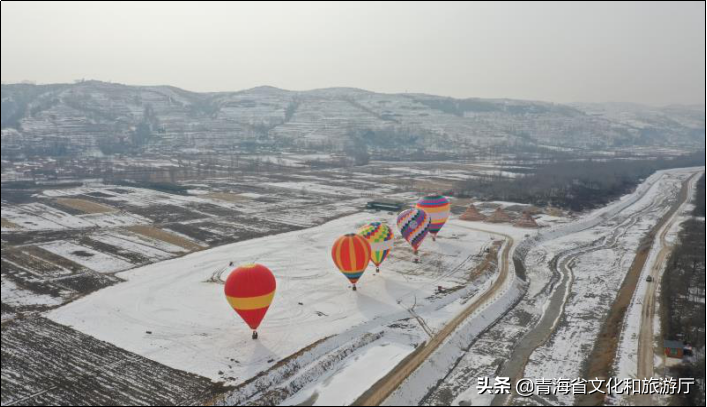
pixel 104 118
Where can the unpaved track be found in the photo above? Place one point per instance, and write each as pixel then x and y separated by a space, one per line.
pixel 601 360
pixel 646 350
pixel 382 389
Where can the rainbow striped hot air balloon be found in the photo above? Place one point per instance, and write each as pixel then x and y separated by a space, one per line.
pixel 414 224
pixel 380 237
pixel 438 207
pixel 250 290
pixel 351 254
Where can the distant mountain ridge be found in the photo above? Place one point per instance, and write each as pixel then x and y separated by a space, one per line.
pixel 94 117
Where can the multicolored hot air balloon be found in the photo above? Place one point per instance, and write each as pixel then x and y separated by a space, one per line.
pixel 380 237
pixel 438 207
pixel 250 290
pixel 351 254
pixel 414 224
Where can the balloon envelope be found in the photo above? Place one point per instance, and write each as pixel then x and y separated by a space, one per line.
pixel 414 224
pixel 250 290
pixel 351 254
pixel 380 236
pixel 438 207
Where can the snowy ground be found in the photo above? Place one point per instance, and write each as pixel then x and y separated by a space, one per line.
pixel 44 238
pixel 92 259
pixel 356 374
pixel 15 296
pixel 597 248
pixel 595 277
pixel 193 328
pixel 174 313
pixel 626 363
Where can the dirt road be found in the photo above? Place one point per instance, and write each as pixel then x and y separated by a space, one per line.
pixel 646 352
pixel 382 389
pixel 601 360
pixel 542 332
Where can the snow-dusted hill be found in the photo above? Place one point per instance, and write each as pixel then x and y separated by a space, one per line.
pixel 97 118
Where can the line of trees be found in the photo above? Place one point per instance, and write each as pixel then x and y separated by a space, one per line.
pixel 572 184
pixel 683 298
pixel 684 286
pixel 700 198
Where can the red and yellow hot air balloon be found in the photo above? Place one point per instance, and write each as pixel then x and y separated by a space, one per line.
pixel 250 290
pixel 351 254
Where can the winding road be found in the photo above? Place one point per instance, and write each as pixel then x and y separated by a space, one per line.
pixel 561 265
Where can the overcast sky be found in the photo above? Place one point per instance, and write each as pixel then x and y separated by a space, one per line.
pixel 650 53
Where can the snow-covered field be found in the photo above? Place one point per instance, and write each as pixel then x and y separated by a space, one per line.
pixel 356 374
pixel 92 259
pixel 319 337
pixel 129 242
pixel 14 296
pixel 37 216
pixel 193 329
pixel 312 187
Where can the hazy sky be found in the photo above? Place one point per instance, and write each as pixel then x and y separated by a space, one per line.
pixel 639 52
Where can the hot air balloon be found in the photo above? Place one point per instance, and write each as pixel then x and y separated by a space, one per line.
pixel 351 254
pixel 438 207
pixel 380 237
pixel 250 290
pixel 414 224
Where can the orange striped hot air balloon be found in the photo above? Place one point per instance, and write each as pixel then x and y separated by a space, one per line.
pixel 438 207
pixel 250 290
pixel 351 254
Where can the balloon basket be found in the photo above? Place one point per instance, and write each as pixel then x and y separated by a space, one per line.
pixel 353 288
pixel 255 335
